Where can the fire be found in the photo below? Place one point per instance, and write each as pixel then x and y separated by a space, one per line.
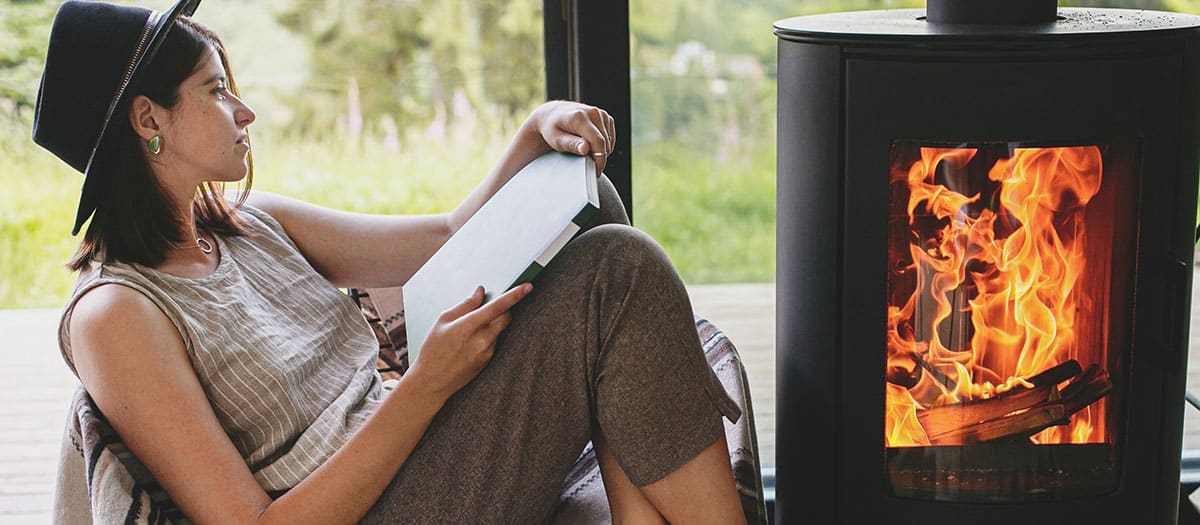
pixel 996 279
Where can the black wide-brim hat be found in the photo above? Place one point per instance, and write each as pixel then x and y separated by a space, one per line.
pixel 96 52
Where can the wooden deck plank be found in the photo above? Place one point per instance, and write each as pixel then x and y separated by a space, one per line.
pixel 35 389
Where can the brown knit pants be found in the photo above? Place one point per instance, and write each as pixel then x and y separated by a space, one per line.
pixel 607 340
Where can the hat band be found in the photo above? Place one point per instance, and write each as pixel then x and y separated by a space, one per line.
pixel 151 21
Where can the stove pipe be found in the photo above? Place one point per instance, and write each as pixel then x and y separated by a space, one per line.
pixel 991 12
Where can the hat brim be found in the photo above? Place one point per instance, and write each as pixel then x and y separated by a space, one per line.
pixel 89 194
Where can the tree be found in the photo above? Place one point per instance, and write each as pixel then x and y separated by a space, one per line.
pixel 413 59
pixel 24 29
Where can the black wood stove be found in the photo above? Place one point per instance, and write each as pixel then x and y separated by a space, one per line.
pixel 986 213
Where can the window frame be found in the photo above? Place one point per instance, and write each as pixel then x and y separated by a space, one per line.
pixel 586 49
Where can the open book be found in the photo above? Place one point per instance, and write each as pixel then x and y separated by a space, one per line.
pixel 507 242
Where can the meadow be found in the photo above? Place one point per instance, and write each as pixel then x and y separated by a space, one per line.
pixel 715 219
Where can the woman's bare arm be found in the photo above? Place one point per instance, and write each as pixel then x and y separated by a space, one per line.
pixel 133 362
pixel 354 249
pixel 367 251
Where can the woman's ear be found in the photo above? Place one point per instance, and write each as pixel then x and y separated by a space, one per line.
pixel 144 117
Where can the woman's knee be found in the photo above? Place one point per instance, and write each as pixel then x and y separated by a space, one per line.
pixel 622 243
pixel 608 261
pixel 612 208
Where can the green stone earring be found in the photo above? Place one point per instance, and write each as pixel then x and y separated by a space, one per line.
pixel 155 145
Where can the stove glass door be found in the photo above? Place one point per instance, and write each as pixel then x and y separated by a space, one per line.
pixel 1010 267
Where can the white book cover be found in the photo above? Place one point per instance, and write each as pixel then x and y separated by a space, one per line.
pixel 507 242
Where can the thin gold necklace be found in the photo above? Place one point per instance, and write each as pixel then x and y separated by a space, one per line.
pixel 204 245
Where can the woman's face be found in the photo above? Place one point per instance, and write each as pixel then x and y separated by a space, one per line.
pixel 205 135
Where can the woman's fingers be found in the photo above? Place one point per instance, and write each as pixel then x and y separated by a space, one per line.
pixel 602 121
pixel 589 124
pixel 500 306
pixel 463 308
pixel 586 125
pixel 599 119
pixel 492 330
pixel 611 126
pixel 570 142
pixel 484 336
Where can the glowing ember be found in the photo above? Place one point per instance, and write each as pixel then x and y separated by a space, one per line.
pixel 996 289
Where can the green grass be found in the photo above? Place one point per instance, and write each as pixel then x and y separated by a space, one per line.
pixel 715 220
pixel 36 208
pixel 427 176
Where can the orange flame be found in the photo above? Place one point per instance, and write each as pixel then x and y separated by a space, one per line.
pixel 1012 273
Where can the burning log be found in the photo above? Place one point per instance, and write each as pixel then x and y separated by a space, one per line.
pixel 944 418
pixel 1018 413
pixel 906 370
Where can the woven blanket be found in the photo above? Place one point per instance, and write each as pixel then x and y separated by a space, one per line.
pixel 100 480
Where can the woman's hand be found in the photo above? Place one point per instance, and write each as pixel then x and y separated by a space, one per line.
pixel 576 128
pixel 559 125
pixel 462 341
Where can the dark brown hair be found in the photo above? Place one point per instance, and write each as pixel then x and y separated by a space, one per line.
pixel 135 220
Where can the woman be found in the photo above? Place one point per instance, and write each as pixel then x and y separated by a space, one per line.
pixel 214 340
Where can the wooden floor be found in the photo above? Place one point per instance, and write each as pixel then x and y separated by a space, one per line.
pixel 35 388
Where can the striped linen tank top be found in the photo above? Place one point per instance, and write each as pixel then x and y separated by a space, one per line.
pixel 286 360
